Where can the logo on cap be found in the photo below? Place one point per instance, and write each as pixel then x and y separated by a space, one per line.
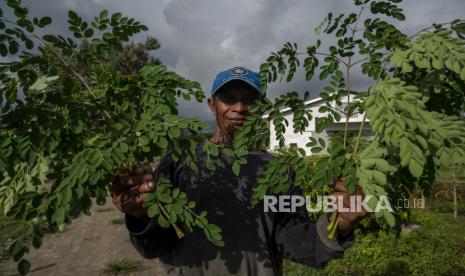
pixel 239 71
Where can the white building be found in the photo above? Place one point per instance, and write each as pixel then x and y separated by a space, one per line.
pixel 300 140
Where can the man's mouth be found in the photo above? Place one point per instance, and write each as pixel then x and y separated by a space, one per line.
pixel 237 121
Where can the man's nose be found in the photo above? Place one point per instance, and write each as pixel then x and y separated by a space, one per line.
pixel 240 106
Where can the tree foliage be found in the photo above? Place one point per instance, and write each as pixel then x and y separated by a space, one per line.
pixel 74 110
pixel 415 105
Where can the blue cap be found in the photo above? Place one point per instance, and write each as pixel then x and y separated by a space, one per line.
pixel 237 73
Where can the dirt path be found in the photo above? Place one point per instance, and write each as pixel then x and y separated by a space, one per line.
pixel 85 247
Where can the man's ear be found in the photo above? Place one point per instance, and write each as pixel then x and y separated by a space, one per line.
pixel 211 105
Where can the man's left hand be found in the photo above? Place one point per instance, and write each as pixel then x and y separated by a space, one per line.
pixel 347 220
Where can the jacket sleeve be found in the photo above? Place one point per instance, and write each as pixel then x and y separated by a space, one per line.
pixel 152 240
pixel 304 241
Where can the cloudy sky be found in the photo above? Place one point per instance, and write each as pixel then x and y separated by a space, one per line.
pixel 200 38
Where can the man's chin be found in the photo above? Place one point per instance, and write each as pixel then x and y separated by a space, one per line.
pixel 237 125
pixel 232 128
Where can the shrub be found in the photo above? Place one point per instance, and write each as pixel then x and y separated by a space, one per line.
pixel 437 248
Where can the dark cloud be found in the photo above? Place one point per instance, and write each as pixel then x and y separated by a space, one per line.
pixel 200 38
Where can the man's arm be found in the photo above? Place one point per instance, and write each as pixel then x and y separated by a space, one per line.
pixel 304 241
pixel 149 239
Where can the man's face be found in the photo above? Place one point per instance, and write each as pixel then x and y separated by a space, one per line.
pixel 231 108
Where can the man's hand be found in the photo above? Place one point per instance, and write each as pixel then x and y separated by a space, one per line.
pixel 128 191
pixel 347 220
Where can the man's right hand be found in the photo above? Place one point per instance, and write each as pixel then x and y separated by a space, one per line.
pixel 128 191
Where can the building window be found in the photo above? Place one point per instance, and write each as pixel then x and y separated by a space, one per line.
pixel 293 145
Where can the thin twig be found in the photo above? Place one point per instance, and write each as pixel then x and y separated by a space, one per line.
pixel 328 55
pixel 324 54
pixel 348 67
pixel 359 61
pixel 70 58
pixel 178 230
pixel 429 27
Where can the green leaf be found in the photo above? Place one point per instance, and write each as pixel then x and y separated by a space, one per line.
pixel 382 165
pixel 437 64
pixel 13 47
pixel 103 14
pixel 415 168
pixel 163 222
pixel 24 266
pixel 44 21
pixel 88 33
pixel 73 15
pixel 173 218
pixel 165 198
pixel 50 38
pixel 16 248
pixel 399 16
pixel 3 50
pixel 29 44
pixel 218 243
pixel 116 16
pixel 324 74
pixel 379 178
pixel 191 204
pixel 163 142
pixel 390 219
pixel 174 132
pixel 236 168
pixel 123 147
pixel 176 192
pixel 216 236
pixel 209 164
pixel 143 141
pixel 153 210
pixel 214 228
pixel 108 36
pixel 36 241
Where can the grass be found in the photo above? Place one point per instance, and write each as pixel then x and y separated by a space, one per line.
pixel 117 221
pixel 90 237
pixel 119 266
pixel 437 248
pixel 11 229
pixel 104 209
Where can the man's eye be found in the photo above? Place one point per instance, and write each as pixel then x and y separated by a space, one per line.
pixel 228 100
pixel 232 100
pixel 250 100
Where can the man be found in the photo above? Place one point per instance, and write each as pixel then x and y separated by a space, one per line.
pixel 255 241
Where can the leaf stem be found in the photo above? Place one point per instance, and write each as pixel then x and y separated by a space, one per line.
pixel 178 230
pixel 326 55
pixel 348 66
pixel 429 27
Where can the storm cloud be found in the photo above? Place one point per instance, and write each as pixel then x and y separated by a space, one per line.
pixel 200 38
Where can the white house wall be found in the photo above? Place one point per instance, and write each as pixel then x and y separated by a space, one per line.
pixel 302 139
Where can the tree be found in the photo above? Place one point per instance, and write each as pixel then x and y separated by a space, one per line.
pixel 133 56
pixel 68 116
pixel 415 105
pixel 76 114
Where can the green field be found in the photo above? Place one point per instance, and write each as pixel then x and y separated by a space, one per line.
pixel 436 248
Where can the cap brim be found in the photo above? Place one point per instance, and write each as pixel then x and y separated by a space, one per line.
pixel 249 82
